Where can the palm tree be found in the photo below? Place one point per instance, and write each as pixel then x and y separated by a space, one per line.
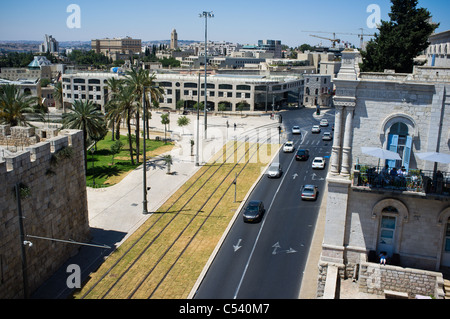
pixel 84 116
pixel 125 110
pixel 58 94
pixel 140 80
pixel 168 161
pixel 114 85
pixel 165 120
pixel 14 105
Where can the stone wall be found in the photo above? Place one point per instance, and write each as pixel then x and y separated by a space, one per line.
pixel 375 279
pixel 54 205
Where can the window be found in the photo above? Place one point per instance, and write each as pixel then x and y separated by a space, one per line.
pixel 400 142
pixel 243 87
pixel 225 87
pixel 79 81
pixel 93 81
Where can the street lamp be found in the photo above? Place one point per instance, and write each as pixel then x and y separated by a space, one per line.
pixel 144 179
pixel 206 15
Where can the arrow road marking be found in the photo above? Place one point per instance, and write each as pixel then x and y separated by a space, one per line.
pixel 275 246
pixel 237 246
pixel 314 177
pixel 295 175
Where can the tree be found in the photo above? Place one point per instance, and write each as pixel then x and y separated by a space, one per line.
pixel 222 107
pixel 125 110
pixel 14 105
pixel 168 161
pixel 400 40
pixel 112 106
pixel 58 94
pixel 183 121
pixel 84 116
pixel 165 120
pixel 115 149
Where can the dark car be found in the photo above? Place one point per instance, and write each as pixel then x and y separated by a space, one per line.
pixel 302 155
pixel 254 211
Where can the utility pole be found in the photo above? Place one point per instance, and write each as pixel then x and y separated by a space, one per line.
pixel 206 15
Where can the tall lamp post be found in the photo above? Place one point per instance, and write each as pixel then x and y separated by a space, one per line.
pixel 206 15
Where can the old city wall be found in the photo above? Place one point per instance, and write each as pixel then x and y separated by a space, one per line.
pixel 54 205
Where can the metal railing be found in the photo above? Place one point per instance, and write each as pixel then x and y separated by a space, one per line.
pixel 413 180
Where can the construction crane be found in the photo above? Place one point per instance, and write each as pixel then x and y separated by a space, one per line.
pixel 334 40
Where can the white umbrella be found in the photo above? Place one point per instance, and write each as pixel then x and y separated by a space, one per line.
pixel 434 157
pixel 380 153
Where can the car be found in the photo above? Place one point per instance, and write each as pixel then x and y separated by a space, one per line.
pixel 254 211
pixel 296 130
pixel 288 147
pixel 274 170
pixel 318 162
pixel 327 136
pixel 324 122
pixel 315 129
pixel 302 155
pixel 309 192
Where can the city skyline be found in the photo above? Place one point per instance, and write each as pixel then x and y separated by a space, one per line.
pixel 243 22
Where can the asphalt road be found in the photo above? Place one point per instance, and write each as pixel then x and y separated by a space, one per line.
pixel 266 260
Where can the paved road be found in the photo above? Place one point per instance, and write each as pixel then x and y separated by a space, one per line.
pixel 267 260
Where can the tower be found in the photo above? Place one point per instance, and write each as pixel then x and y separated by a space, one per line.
pixel 174 40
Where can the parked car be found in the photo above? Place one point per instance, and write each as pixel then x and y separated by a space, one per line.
pixel 309 192
pixel 315 129
pixel 296 130
pixel 288 147
pixel 318 162
pixel 254 211
pixel 274 170
pixel 302 155
pixel 327 136
pixel 324 122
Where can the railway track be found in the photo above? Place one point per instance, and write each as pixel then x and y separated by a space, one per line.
pixel 140 270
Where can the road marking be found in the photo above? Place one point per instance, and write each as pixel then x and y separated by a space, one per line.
pixel 260 231
pixel 237 246
pixel 275 246
pixel 295 175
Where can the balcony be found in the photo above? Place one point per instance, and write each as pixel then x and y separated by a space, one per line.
pixel 414 180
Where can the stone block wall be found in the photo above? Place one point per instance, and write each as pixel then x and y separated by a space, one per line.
pixel 54 205
pixel 375 279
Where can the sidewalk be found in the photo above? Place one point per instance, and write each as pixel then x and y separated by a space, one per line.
pixel 116 212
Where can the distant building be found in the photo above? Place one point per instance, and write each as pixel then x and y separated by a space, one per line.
pixel 174 40
pixel 272 46
pixel 438 53
pixel 50 45
pixel 117 48
pixel 318 90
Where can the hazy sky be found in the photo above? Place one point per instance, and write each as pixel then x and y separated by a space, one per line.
pixel 244 21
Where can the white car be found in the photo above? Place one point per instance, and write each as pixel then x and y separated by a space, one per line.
pixel 288 147
pixel 327 136
pixel 274 170
pixel 324 122
pixel 318 162
pixel 296 130
pixel 315 129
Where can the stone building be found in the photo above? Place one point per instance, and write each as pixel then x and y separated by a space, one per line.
pixel 368 212
pixel 318 90
pixel 48 170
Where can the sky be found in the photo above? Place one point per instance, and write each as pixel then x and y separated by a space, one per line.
pixel 237 21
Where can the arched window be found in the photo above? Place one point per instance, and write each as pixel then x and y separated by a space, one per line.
pixel 399 141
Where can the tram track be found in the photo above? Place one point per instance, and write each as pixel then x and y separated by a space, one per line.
pixel 132 269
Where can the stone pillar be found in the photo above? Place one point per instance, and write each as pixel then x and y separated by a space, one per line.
pixel 336 150
pixel 348 139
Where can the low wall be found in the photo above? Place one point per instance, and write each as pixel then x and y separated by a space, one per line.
pixel 375 279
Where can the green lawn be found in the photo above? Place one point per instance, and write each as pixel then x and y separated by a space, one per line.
pixel 101 169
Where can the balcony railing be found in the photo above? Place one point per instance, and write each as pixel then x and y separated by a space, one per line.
pixel 414 180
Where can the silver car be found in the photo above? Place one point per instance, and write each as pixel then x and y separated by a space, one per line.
pixel 274 170
pixel 309 192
